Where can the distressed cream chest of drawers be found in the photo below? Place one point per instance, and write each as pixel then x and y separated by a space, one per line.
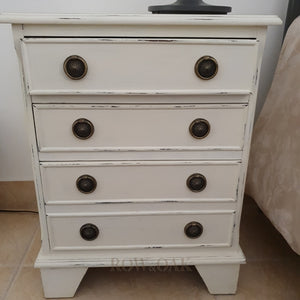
pixel 140 129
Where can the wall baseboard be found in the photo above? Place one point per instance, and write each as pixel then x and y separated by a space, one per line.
pixel 17 195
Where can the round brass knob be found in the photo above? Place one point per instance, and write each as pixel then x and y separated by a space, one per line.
pixel 83 129
pixel 199 128
pixel 196 182
pixel 206 67
pixel 89 232
pixel 86 184
pixel 193 230
pixel 75 67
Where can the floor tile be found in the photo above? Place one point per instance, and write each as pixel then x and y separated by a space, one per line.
pixel 15 236
pixel 33 250
pixel 27 286
pixel 6 275
pixel 17 195
pixel 265 281
pixel 282 279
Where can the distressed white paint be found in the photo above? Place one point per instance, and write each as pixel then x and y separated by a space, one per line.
pixel 161 205
pixel 218 249
pixel 14 150
pixel 139 127
pixel 140 181
pixel 61 282
pixel 220 279
pixel 145 96
pixel 179 153
pixel 69 259
pixel 109 31
pixel 138 19
pixel 17 35
pixel 134 230
pixel 138 64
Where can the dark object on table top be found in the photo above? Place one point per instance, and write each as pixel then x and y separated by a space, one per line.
pixel 189 7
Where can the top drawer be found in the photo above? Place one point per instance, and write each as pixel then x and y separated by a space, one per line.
pixel 138 65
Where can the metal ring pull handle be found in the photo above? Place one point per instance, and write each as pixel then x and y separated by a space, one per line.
pixel 199 128
pixel 89 232
pixel 83 129
pixel 75 67
pixel 86 184
pixel 206 67
pixel 193 230
pixel 196 182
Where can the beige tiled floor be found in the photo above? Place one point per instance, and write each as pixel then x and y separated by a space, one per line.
pixel 17 195
pixel 272 271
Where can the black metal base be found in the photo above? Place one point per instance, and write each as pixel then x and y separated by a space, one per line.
pixel 189 7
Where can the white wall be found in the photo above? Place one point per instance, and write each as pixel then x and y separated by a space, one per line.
pixel 15 163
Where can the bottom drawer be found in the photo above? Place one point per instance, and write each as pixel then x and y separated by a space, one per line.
pixel 133 230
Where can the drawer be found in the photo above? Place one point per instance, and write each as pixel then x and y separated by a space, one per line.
pixel 138 64
pixel 141 230
pixel 139 181
pixel 75 128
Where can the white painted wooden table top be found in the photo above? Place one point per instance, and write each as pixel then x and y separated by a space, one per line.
pixel 117 19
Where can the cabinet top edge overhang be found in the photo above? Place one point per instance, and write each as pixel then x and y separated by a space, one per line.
pixel 140 19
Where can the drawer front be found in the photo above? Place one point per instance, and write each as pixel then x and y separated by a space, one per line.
pixel 138 64
pixel 141 230
pixel 140 127
pixel 139 181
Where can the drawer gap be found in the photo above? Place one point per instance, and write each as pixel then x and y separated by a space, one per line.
pixel 137 37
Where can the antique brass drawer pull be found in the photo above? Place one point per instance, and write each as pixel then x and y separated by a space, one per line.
pixel 199 128
pixel 86 184
pixel 83 129
pixel 89 232
pixel 193 230
pixel 206 67
pixel 75 67
pixel 196 182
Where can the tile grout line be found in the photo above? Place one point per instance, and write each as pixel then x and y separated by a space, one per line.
pixel 20 265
